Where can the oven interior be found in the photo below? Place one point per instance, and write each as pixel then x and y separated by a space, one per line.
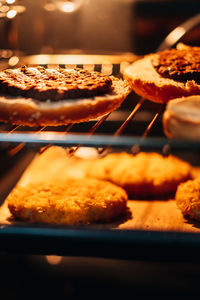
pixel 72 262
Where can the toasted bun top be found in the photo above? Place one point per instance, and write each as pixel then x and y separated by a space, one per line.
pixel 166 75
pixel 39 99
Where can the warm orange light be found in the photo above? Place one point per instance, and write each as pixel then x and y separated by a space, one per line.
pixel 11 14
pixel 13 61
pixel 4 8
pixel 10 1
pixel 53 259
pixel 50 6
pixel 67 7
pixel 179 31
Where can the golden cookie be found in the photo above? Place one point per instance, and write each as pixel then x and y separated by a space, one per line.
pixel 143 175
pixel 188 198
pixel 69 201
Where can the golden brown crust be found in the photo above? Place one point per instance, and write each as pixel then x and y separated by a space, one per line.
pixel 195 172
pixel 181 118
pixel 68 202
pixel 148 83
pixel 178 64
pixel 143 175
pixel 32 112
pixel 188 198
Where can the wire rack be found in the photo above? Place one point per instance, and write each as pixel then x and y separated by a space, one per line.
pixel 129 129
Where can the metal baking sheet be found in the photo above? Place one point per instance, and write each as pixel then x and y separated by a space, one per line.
pixel 152 230
pixel 156 231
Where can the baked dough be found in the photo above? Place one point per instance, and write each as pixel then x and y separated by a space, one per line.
pixel 33 112
pixel 67 202
pixel 144 175
pixel 150 84
pixel 188 198
pixel 181 118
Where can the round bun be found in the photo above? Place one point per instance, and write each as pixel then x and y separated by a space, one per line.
pixel 32 112
pixel 69 201
pixel 148 83
pixel 181 118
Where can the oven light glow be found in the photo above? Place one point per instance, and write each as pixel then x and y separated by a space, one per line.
pixel 53 259
pixel 67 7
pixel 4 8
pixel 13 61
pixel 50 6
pixel 172 37
pixel 10 1
pixel 11 14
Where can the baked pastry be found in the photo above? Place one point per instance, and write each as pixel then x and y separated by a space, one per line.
pixel 168 74
pixel 41 96
pixel 188 198
pixel 181 118
pixel 144 175
pixel 67 202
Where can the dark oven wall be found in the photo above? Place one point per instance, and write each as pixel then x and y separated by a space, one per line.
pixel 94 25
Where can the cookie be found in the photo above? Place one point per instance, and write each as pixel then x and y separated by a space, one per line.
pixel 188 198
pixel 67 201
pixel 144 175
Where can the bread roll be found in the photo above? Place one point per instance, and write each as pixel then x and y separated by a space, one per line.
pixel 50 97
pixel 181 118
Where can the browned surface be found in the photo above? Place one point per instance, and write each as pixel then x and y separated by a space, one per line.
pixel 142 215
pixel 161 215
pixel 53 84
pixel 181 65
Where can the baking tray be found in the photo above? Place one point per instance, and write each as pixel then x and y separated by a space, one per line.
pixel 153 230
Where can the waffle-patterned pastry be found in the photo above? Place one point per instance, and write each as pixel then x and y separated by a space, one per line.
pixel 42 96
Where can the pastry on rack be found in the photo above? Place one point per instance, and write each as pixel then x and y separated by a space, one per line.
pixel 41 96
pixel 181 118
pixel 165 75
